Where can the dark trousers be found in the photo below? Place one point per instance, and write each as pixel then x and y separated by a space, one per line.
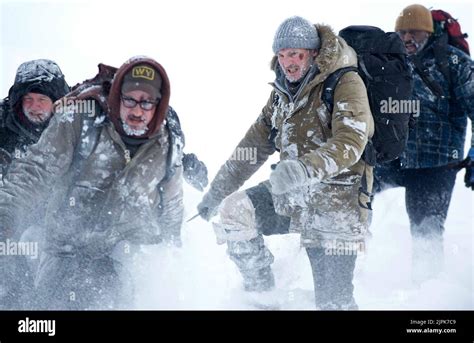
pixel 332 274
pixel 332 277
pixel 428 193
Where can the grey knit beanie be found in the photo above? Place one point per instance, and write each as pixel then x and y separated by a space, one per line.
pixel 296 33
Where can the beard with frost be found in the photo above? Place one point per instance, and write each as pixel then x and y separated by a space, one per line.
pixel 133 132
pixel 36 118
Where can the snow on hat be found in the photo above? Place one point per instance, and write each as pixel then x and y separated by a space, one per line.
pixel 296 33
pixel 145 78
pixel 38 76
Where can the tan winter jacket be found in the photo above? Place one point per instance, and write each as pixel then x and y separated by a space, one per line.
pixel 330 145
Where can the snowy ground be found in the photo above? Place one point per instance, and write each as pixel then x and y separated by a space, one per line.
pixel 200 275
pixel 217 56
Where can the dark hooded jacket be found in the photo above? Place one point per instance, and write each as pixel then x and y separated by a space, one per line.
pixel 37 76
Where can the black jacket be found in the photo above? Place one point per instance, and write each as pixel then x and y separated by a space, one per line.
pixel 37 76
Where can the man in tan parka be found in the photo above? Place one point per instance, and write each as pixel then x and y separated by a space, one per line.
pixel 315 188
pixel 109 173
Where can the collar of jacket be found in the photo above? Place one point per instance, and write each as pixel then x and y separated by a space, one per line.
pixel 334 54
pixel 434 42
pixel 128 140
pixel 13 123
pixel 159 137
pixel 281 83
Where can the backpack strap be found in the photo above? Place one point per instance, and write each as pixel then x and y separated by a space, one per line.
pixel 175 152
pixel 363 189
pixel 440 51
pixel 429 80
pixel 329 86
pixel 274 131
pixel 327 96
pixel 177 142
pixel 90 133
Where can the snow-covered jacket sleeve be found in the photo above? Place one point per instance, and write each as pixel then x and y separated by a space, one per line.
pixel 351 126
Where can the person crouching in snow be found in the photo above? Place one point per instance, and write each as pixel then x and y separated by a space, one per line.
pixel 314 189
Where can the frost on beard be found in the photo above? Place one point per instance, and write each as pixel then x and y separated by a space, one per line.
pixel 133 132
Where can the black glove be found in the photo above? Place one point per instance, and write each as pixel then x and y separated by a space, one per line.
pixel 194 172
pixel 208 206
pixel 469 177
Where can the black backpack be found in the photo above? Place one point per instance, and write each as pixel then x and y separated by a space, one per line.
pixel 382 65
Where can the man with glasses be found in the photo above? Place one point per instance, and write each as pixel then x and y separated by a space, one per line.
pixel 435 148
pixel 112 180
pixel 146 95
pixel 141 86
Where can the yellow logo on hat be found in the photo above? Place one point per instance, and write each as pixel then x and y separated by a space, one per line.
pixel 144 73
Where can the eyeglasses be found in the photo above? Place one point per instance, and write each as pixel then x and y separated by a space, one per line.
pixel 144 104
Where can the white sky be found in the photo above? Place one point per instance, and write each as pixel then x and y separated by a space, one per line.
pixel 216 53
